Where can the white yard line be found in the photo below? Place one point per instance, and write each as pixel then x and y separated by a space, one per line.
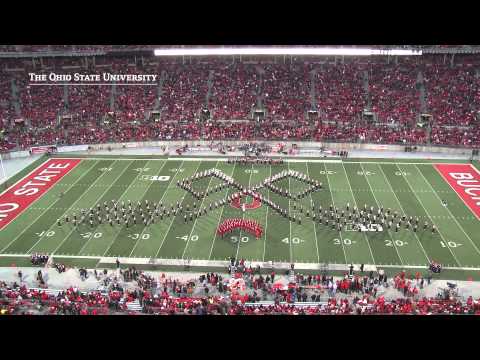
pixel 199 208
pixel 266 220
pixel 314 226
pixel 243 217
pixel 355 202
pixel 76 201
pixel 378 206
pixel 289 222
pixel 446 207
pixel 221 214
pixel 431 220
pixel 123 193
pixel 48 208
pixel 333 203
pixel 161 199
pixel 171 221
pixel 403 212
pixel 120 197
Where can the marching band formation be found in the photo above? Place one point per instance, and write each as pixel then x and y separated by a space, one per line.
pixel 250 226
pixel 128 213
pixel 245 160
pixel 186 184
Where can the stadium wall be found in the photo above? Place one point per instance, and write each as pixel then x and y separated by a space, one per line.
pixel 302 144
pixel 206 144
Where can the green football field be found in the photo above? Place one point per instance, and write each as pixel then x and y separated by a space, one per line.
pixel 411 187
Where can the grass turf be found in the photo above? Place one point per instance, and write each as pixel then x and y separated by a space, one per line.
pixel 414 188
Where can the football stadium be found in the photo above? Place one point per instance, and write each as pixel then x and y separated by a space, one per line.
pixel 239 180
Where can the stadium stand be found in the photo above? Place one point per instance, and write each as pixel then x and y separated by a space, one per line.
pixel 397 91
pixel 141 293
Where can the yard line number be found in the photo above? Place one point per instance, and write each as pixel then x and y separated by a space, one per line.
pixel 395 243
pixel 451 244
pixel 137 236
pixel 156 177
pixel 365 173
pixel 186 237
pixel 234 239
pixel 46 233
pixel 87 235
pixel 345 241
pixel 295 240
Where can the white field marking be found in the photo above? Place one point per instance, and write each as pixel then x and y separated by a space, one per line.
pixel 451 215
pixel 221 214
pixel 120 197
pixel 161 199
pixel 378 206
pixel 200 207
pixel 314 226
pixel 289 222
pixel 23 178
pixel 458 195
pixel 431 220
pixel 224 159
pixel 333 203
pixel 223 263
pixel 145 191
pixel 171 222
pixel 48 208
pixel 266 220
pixel 403 211
pixel 403 163
pixel 355 202
pixel 475 169
pixel 243 217
pixel 71 207
pixel 219 159
pixel 34 201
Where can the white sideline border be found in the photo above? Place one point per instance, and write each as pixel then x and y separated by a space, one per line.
pixel 224 264
pixel 224 159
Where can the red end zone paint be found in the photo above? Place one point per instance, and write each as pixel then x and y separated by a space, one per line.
pixel 21 195
pixel 465 180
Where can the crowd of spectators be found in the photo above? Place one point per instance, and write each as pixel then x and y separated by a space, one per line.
pixel 340 91
pixel 246 291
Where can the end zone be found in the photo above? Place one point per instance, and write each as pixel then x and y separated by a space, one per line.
pixel 464 179
pixel 22 194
